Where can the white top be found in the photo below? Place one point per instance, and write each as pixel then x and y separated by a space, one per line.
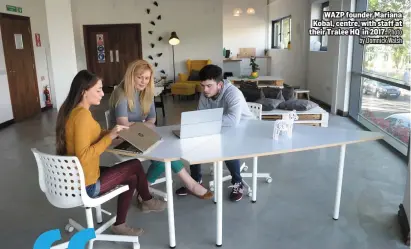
pixel 255 138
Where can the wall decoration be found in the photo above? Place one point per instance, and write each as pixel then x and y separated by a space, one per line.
pixel 152 45
pixel 155 64
pixel 153 23
pixel 159 54
pixel 150 57
pixel 163 72
pixel 159 17
pixel 148 11
pixel 101 53
pixel 155 3
pixel 38 40
pixel 160 38
pixel 150 32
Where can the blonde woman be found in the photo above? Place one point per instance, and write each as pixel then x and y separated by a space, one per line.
pixel 133 101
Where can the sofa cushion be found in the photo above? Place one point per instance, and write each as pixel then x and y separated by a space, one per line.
pixel 297 104
pixel 269 104
pixel 273 93
pixel 251 94
pixel 194 75
pixel 288 93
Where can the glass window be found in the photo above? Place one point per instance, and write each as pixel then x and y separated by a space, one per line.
pixel 390 60
pixel 281 33
pixel 387 108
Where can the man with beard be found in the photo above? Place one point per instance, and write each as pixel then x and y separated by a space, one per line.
pixel 220 93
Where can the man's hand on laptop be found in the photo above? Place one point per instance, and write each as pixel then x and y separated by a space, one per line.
pixel 114 132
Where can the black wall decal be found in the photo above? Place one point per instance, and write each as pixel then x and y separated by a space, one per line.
pixel 152 45
pixel 148 11
pixel 163 72
pixel 159 17
pixel 155 64
pixel 159 54
pixel 150 32
pixel 155 3
pixel 153 23
pixel 150 57
pixel 160 38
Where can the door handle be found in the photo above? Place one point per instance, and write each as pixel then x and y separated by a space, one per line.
pixel 117 56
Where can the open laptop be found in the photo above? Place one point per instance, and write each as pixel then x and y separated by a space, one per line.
pixel 200 123
pixel 138 139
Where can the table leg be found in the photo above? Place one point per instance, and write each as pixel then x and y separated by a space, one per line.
pixel 255 172
pixel 219 188
pixel 215 181
pixel 170 205
pixel 339 182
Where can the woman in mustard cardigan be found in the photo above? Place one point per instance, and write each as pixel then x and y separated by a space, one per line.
pixel 78 134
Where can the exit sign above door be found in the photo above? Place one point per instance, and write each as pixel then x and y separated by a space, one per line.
pixel 12 8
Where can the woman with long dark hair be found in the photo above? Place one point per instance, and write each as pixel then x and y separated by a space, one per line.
pixel 78 134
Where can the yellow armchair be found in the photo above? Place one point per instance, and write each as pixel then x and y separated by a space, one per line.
pixel 183 77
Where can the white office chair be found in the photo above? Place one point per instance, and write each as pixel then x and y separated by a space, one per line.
pixel 121 158
pixel 61 178
pixel 256 109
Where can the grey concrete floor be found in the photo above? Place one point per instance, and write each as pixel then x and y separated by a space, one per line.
pixel 294 211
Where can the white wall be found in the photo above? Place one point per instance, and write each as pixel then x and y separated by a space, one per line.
pixel 328 75
pixel 63 65
pixel 291 64
pixel 325 73
pixel 245 31
pixel 198 24
pixel 36 11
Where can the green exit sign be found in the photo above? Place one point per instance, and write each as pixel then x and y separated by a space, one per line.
pixel 14 9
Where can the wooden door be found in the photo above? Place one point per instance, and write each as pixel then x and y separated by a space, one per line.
pixel 20 65
pixel 109 50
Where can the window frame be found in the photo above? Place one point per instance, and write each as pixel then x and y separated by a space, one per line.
pixel 275 44
pixel 323 5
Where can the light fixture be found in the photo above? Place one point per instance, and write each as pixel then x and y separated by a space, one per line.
pixel 174 39
pixel 237 12
pixel 251 11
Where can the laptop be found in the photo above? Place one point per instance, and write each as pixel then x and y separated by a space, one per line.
pixel 138 139
pixel 200 123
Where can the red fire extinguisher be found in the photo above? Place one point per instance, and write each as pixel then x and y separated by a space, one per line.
pixel 47 94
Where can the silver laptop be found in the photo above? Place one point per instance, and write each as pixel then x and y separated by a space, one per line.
pixel 138 139
pixel 200 123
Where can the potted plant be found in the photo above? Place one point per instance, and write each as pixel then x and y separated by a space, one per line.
pixel 254 67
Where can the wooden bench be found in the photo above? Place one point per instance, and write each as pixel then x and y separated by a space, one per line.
pixel 315 117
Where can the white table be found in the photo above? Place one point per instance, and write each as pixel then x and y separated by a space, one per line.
pixel 170 149
pixel 253 138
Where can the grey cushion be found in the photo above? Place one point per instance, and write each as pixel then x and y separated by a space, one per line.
pixel 269 104
pixel 272 93
pixel 251 94
pixel 288 93
pixel 297 104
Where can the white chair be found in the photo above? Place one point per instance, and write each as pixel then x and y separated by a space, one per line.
pixel 121 158
pixel 61 178
pixel 257 110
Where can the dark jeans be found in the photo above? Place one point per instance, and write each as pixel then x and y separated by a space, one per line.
pixel 232 165
pixel 129 173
